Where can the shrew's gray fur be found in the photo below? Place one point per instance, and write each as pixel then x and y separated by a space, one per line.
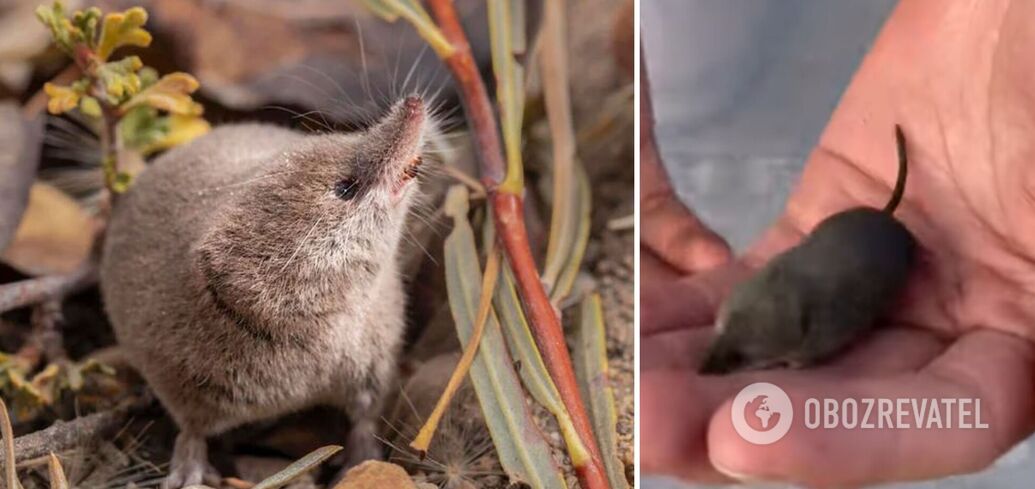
pixel 817 298
pixel 253 273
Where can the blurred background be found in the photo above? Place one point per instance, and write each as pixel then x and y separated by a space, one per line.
pixel 742 90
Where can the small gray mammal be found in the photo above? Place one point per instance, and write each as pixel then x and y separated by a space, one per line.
pixel 253 273
pixel 816 298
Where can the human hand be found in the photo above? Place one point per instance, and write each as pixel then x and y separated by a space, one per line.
pixel 673 241
pixel 958 78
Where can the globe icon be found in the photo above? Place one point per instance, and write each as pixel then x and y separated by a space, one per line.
pixel 763 411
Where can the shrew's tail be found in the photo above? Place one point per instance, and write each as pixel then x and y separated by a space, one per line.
pixel 900 182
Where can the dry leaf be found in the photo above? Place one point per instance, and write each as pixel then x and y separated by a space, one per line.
pixel 374 474
pixel 54 236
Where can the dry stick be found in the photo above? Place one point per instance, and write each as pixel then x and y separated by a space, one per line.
pixel 508 214
pixel 15 295
pixel 492 270
pixel 65 435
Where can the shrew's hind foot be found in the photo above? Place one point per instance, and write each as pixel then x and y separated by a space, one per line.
pixel 189 465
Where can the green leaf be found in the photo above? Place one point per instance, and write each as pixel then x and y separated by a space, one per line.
pixel 61 99
pixel 145 130
pixel 590 358
pixel 171 93
pixel 523 452
pixel 123 29
pixel 120 79
pixel 575 238
pixel 301 466
pixel 86 22
pixel 507 40
pixel 53 18
pixel 569 199
pixel 533 370
pixel 414 12
pixel 382 9
pixel 90 107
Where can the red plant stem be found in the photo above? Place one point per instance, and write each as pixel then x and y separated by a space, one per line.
pixel 510 224
pixel 546 326
pixel 474 97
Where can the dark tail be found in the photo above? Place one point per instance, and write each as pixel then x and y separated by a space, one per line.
pixel 900 183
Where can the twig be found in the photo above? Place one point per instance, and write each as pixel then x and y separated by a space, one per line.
pixel 32 291
pixel 477 189
pixel 492 268
pixel 623 223
pixel 508 208
pixel 475 98
pixel 65 435
pixel 46 320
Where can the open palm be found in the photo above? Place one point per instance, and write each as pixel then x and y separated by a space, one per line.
pixel 960 79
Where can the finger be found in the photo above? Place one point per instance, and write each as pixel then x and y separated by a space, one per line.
pixel 674 411
pixel 676 404
pixel 993 367
pixel 890 350
pixel 678 237
pixel 655 270
pixel 688 302
pixel 680 349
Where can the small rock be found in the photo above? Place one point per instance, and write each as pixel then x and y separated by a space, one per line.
pixel 374 474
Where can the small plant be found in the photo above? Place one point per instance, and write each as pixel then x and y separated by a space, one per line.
pixel 130 106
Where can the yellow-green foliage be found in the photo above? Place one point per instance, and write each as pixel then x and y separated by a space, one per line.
pixel 149 113
pixel 30 393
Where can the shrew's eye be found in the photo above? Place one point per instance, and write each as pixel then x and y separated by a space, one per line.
pixel 346 188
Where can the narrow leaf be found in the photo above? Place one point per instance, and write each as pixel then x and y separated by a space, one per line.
pixel 492 269
pixel 554 65
pixel 533 370
pixel 299 467
pixel 10 474
pixel 523 452
pixel 415 14
pixel 382 10
pixel 57 473
pixel 506 41
pixel 591 369
pixel 575 245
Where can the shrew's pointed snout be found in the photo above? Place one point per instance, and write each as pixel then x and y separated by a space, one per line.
pixel 402 128
pixel 400 133
pixel 393 147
